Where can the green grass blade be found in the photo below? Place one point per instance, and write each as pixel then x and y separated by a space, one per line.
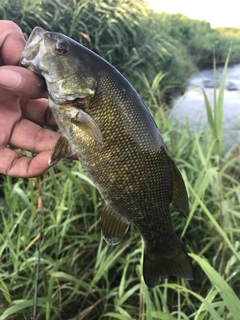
pixel 214 222
pixel 19 306
pixel 219 106
pixel 115 315
pixel 207 304
pixel 229 297
pixel 210 115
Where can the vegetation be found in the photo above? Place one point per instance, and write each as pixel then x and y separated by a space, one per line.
pixel 200 39
pixel 81 277
pixel 138 42
pixel 229 30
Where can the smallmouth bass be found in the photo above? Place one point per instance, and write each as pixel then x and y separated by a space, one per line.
pixel 105 122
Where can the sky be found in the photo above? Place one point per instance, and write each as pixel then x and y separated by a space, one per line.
pixel 219 13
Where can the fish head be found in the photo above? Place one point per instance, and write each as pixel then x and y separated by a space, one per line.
pixel 61 62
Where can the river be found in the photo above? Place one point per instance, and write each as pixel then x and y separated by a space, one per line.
pixel 191 107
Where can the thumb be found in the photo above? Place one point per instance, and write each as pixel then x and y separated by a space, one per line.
pixel 22 82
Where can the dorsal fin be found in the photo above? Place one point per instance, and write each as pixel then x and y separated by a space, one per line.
pixel 114 226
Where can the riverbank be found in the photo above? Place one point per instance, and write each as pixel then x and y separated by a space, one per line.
pixel 191 106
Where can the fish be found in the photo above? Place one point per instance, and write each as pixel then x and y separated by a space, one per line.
pixel 104 121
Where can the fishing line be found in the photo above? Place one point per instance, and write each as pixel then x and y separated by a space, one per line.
pixel 35 299
pixel 40 206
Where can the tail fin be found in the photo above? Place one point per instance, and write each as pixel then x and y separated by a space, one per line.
pixel 156 268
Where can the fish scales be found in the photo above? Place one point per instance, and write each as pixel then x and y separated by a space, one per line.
pixel 119 145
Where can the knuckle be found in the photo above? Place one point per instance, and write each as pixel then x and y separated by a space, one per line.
pixel 11 27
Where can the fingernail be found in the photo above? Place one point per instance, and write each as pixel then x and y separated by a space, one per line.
pixel 9 78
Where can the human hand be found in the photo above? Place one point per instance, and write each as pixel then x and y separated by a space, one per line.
pixel 22 110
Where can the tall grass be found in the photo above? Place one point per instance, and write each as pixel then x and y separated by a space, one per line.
pixel 81 277
pixel 133 38
pixel 121 31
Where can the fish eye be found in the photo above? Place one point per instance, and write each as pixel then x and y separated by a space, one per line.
pixel 61 48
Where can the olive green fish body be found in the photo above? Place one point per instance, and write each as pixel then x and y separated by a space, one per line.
pixel 105 122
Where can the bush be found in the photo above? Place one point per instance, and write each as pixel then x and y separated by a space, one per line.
pixel 80 276
pixel 200 40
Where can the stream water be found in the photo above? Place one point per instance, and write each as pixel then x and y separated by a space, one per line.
pixel 191 107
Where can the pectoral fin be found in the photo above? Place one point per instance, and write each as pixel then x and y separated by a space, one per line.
pixel 60 151
pixel 114 226
pixel 179 194
pixel 86 123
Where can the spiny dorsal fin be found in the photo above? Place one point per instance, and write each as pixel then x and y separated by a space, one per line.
pixel 60 151
pixel 86 123
pixel 179 193
pixel 114 226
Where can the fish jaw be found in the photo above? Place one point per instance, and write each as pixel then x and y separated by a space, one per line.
pixel 34 54
pixel 65 81
pixel 34 51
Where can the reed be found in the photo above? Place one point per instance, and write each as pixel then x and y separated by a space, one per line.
pixel 81 277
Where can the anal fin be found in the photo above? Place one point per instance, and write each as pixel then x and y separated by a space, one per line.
pixel 60 151
pixel 179 192
pixel 114 226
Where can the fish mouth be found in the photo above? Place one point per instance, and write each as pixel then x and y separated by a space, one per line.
pixel 33 51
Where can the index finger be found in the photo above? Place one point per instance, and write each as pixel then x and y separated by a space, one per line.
pixel 11 42
pixel 15 164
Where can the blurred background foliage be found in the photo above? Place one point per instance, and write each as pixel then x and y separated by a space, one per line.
pixel 134 39
pixel 80 276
